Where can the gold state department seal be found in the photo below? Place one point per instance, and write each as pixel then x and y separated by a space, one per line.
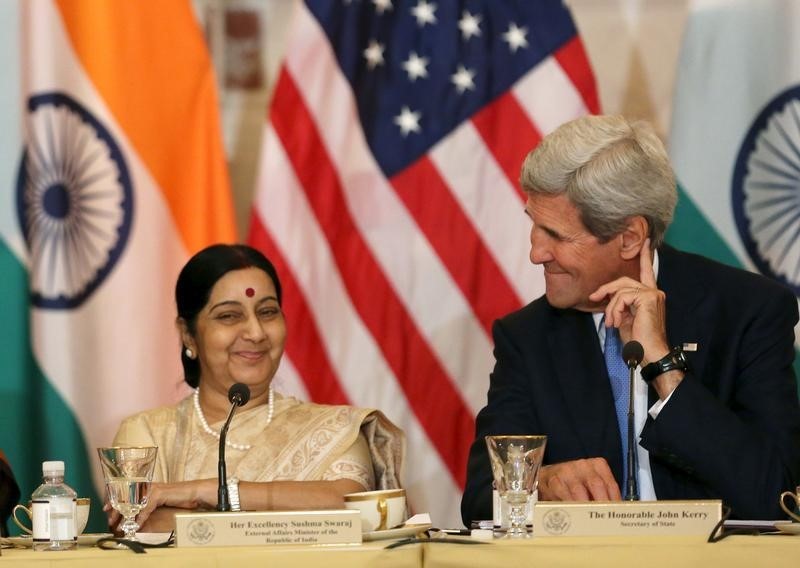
pixel 556 522
pixel 200 531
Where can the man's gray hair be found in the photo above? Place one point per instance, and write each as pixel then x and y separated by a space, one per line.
pixel 610 169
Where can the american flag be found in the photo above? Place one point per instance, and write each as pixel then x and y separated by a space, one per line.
pixel 388 199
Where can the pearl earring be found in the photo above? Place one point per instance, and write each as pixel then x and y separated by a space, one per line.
pixel 189 353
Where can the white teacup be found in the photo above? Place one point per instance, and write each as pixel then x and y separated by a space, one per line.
pixel 380 510
pixel 795 497
pixel 82 517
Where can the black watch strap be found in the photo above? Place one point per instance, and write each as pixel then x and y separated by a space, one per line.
pixel 672 361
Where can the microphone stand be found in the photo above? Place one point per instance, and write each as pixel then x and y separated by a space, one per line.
pixel 223 503
pixel 632 354
pixel 632 487
pixel 238 395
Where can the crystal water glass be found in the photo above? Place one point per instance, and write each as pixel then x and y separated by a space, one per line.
pixel 516 461
pixel 128 473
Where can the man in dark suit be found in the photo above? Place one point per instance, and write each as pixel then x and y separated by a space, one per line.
pixel 716 397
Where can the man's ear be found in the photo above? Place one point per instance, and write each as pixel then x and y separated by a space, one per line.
pixel 186 338
pixel 633 236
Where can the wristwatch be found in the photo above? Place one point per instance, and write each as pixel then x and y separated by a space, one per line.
pixel 233 494
pixel 672 361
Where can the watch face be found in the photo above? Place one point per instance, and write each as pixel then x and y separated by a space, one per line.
pixel 677 360
pixel 674 360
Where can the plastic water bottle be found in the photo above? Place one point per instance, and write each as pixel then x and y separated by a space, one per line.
pixel 54 510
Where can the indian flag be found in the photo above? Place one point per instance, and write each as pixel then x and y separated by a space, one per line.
pixel 112 173
pixel 735 139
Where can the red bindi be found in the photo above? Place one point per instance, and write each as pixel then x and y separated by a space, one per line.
pixel 250 292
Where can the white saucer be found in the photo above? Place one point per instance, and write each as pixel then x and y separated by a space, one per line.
pixel 86 539
pixel 789 527
pixel 399 532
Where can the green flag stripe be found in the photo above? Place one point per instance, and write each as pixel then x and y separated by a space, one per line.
pixel 692 232
pixel 35 423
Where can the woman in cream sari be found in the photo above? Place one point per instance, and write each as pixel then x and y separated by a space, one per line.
pixel 282 454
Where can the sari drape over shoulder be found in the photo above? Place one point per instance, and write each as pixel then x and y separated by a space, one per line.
pixel 304 442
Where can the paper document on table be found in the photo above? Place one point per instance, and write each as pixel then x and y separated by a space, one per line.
pixel 761 526
pixel 746 523
pixel 419 519
pixel 152 537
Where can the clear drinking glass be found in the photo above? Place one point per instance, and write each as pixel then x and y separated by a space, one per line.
pixel 515 466
pixel 128 473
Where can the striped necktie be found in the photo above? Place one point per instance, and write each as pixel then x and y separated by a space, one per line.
pixel 618 374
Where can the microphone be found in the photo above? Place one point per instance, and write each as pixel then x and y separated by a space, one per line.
pixel 238 395
pixel 632 354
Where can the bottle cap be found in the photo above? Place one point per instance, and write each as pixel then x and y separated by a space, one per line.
pixel 53 467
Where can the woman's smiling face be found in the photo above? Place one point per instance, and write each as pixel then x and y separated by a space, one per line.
pixel 240 332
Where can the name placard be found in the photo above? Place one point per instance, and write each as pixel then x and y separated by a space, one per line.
pixel 645 518
pixel 267 527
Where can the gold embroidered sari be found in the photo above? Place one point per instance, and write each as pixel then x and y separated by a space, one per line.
pixel 304 442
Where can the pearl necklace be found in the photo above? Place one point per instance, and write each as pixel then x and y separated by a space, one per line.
pixel 207 428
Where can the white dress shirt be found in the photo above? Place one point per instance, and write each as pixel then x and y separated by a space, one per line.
pixel 640 411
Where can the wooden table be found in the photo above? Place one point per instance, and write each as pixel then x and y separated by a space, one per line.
pixel 616 552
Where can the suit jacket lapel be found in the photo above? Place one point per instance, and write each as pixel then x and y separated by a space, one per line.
pixel 583 379
pixel 686 306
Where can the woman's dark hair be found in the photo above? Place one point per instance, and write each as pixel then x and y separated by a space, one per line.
pixel 199 276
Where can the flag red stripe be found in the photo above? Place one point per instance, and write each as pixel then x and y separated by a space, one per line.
pixel 494 123
pixel 572 58
pixel 456 242
pixel 303 344
pixel 436 403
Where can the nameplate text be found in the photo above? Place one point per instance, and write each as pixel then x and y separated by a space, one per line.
pixel 628 518
pixel 267 527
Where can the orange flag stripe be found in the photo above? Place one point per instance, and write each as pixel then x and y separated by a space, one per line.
pixel 150 64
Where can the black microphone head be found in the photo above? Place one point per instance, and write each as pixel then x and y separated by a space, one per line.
pixel 239 393
pixel 632 353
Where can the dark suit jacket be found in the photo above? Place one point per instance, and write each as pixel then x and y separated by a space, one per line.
pixel 731 429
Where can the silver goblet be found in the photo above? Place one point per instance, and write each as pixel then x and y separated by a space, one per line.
pixel 128 473
pixel 515 466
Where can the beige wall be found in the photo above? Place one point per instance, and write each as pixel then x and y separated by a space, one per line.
pixel 633 46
